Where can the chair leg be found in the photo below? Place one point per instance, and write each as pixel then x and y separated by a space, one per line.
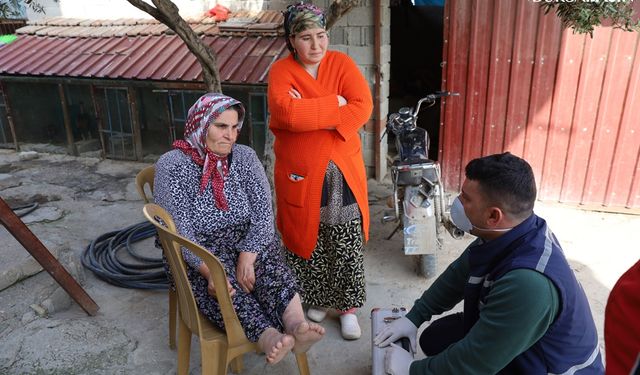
pixel 222 363
pixel 303 364
pixel 173 308
pixel 236 364
pixel 214 358
pixel 184 347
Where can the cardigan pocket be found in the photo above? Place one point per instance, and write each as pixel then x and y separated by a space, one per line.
pixel 294 187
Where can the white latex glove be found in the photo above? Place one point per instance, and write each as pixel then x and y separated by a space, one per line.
pixel 397 361
pixel 398 329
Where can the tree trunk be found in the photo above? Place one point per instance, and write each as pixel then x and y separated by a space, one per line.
pixel 166 12
pixel 337 9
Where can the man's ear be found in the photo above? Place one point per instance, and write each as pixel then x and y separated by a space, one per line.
pixel 496 216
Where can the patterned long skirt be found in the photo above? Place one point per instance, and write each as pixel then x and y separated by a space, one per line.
pixel 262 308
pixel 334 276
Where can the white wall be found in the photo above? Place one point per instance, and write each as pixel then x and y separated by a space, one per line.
pixel 234 5
pixel 112 9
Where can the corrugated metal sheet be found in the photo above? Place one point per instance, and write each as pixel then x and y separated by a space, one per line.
pixel 241 60
pixel 567 103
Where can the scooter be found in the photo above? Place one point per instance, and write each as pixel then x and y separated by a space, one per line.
pixel 418 195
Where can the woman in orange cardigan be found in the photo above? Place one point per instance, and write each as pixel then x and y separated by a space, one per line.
pixel 318 101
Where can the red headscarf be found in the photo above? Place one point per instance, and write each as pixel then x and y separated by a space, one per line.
pixel 214 167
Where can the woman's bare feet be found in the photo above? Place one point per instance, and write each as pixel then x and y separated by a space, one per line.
pixel 275 344
pixel 306 334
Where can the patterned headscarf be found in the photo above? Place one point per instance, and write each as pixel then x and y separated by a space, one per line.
pixel 300 17
pixel 214 167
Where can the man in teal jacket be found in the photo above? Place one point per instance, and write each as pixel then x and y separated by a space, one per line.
pixel 524 310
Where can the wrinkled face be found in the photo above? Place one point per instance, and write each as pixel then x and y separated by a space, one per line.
pixel 223 132
pixel 310 45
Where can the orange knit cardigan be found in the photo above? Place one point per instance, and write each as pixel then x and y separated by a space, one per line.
pixel 308 133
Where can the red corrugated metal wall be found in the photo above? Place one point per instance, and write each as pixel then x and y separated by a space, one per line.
pixel 567 103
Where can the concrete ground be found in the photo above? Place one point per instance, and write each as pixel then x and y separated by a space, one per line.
pixel 43 331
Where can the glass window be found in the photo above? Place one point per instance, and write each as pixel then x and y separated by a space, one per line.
pixel 117 124
pixel 179 104
pixel 5 132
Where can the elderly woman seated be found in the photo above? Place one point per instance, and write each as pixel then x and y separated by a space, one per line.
pixel 219 197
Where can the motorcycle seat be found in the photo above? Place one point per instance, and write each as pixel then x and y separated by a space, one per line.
pixel 399 163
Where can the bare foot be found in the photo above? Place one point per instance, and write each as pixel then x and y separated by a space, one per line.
pixel 275 345
pixel 306 335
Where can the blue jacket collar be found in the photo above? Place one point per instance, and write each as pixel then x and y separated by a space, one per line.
pixel 483 254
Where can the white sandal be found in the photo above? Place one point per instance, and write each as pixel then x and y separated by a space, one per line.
pixel 349 326
pixel 317 314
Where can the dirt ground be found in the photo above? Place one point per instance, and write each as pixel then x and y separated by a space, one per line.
pixel 43 331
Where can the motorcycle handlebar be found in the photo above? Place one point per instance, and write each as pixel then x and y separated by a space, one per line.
pixel 413 116
pixel 440 94
pixel 432 98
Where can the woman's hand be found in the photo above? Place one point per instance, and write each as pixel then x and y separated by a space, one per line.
pixel 294 93
pixel 204 271
pixel 245 273
pixel 341 100
pixel 212 289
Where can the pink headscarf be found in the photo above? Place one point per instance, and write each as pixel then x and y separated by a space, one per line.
pixel 214 167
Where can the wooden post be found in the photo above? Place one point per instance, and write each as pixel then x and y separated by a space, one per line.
pixel 380 150
pixel 172 126
pixel 71 144
pixel 98 117
pixel 9 117
pixel 135 124
pixel 32 244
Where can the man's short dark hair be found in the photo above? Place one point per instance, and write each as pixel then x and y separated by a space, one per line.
pixel 507 181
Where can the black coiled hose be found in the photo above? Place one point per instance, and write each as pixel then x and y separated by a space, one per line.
pixel 101 257
pixel 21 211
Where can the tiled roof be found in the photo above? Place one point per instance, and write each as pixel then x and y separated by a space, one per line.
pixel 128 49
pixel 239 24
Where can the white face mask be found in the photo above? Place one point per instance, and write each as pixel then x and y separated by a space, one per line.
pixel 460 219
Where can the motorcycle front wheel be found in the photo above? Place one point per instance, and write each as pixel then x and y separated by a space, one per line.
pixel 426 264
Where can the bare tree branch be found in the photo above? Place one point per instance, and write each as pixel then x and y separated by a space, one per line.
pixel 166 12
pixel 338 9
pixel 153 12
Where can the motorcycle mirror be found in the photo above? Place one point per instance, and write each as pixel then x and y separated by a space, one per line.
pixel 404 111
